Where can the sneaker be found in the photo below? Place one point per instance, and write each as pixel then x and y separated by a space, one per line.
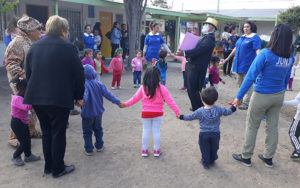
pixel 156 153
pixel 238 157
pixel 229 75
pixel 67 170
pixel 18 161
pixel 139 85
pixel 113 88
pixel 243 106
pixel 101 149
pixel 74 112
pixel 268 162
pixel 88 153
pixel 32 158
pixel 295 155
pixel 263 118
pixel 183 88
pixel 145 153
pixel 134 86
pixel 205 166
pixel 119 87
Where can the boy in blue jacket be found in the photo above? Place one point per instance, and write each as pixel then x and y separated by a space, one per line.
pixel 209 120
pixel 162 66
pixel 92 110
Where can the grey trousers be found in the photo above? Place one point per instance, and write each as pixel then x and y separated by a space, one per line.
pixel 260 104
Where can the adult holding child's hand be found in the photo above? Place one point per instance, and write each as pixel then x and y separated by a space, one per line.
pixel 270 73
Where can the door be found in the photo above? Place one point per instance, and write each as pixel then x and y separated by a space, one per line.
pixel 106 19
pixel 39 12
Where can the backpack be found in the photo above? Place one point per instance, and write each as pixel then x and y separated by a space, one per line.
pixel 108 34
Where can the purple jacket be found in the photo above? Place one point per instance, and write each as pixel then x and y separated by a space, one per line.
pixel 86 61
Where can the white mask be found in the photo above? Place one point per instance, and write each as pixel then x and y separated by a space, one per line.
pixel 205 29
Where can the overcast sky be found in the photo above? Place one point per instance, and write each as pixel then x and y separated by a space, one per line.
pixel 232 4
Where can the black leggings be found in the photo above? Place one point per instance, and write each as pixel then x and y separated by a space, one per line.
pixel 22 132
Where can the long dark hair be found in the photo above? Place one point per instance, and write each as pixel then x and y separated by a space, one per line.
pixel 152 25
pixel 281 41
pixel 97 26
pixel 151 81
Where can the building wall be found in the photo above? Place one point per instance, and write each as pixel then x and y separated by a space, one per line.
pixel 264 27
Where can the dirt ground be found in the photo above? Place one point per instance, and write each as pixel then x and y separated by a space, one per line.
pixel 120 164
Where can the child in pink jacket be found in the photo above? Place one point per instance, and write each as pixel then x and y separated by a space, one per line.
pixel 117 67
pixel 180 57
pixel 137 67
pixel 153 96
pixel 19 124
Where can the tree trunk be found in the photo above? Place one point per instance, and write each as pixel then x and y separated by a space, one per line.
pixel 134 10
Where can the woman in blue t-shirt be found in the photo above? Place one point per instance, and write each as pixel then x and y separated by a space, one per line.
pixel 270 74
pixel 247 47
pixel 153 43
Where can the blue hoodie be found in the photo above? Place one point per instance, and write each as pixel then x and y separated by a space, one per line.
pixel 94 93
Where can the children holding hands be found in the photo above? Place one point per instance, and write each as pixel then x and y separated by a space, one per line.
pixel 153 95
pixel 209 121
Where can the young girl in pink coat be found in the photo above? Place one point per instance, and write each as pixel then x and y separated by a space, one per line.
pixel 153 96
pixel 180 57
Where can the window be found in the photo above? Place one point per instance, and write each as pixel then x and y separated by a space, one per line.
pixel 91 11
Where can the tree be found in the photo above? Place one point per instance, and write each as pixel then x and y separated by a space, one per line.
pixel 160 3
pixel 134 10
pixel 4 7
pixel 291 17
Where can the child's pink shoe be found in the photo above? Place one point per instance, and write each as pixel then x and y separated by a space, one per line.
pixel 145 153
pixel 157 153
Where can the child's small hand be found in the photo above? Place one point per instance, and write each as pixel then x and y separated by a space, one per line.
pixel 122 105
pixel 223 82
pixel 237 103
pixel 133 66
pixel 177 116
pixel 79 103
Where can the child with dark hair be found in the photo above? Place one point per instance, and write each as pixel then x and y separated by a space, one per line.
pixel 153 96
pixel 88 58
pixel 214 74
pixel 19 124
pixel 117 67
pixel 137 68
pixel 162 66
pixel 99 63
pixel 209 120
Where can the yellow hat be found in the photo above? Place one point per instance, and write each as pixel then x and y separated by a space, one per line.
pixel 212 21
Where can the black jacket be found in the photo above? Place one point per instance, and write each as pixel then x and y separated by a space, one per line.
pixel 54 73
pixel 201 54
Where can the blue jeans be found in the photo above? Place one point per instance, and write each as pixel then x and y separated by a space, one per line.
pixel 163 81
pixel 209 145
pixel 88 126
pixel 137 77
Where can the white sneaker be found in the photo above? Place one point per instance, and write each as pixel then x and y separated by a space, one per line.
pixel 119 87
pixel 113 88
pixel 88 154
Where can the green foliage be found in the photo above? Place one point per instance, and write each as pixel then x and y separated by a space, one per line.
pixel 7 6
pixel 291 17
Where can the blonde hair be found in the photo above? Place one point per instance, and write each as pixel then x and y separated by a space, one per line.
pixel 55 25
